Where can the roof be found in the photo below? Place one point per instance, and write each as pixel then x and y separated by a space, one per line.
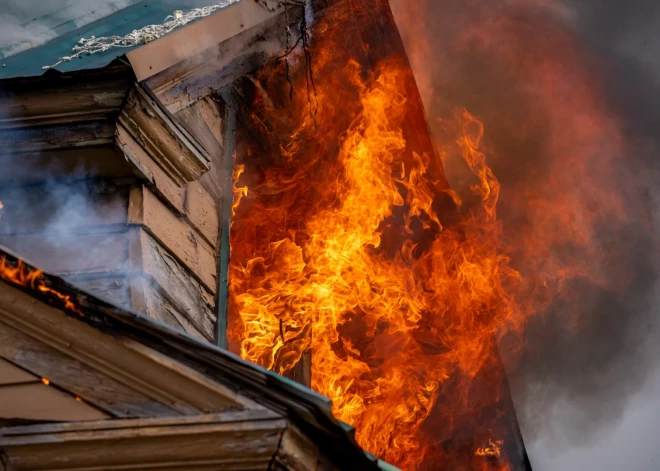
pixel 311 412
pixel 67 26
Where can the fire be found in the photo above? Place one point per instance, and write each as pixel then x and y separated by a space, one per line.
pixel 26 277
pixel 347 240
pixel 342 247
pixel 494 448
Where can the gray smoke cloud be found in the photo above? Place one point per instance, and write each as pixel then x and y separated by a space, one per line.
pixel 67 223
pixel 568 93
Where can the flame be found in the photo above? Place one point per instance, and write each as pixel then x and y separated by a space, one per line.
pixel 26 277
pixel 341 246
pixel 349 242
pixel 494 448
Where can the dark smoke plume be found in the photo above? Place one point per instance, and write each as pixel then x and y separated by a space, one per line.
pixel 568 95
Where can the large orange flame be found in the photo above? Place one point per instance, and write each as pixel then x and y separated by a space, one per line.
pixel 341 243
pixel 341 248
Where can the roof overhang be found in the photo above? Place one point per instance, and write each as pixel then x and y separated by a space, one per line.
pixel 193 39
pixel 130 366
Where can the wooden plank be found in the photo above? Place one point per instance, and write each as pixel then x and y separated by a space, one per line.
pixel 202 212
pixel 36 401
pixel 223 417
pixel 165 53
pixel 167 382
pixel 162 183
pixel 74 253
pixel 192 119
pixel 174 233
pixel 209 111
pixel 68 373
pixel 247 445
pixel 48 138
pixel 160 308
pixel 64 98
pixel 175 151
pixel 11 374
pixel 213 111
pixel 202 195
pixel 188 297
pixel 85 162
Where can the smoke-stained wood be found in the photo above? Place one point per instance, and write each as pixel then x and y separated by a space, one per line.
pixel 243 441
pixel 244 36
pixel 186 295
pixel 175 233
pixel 11 374
pixel 166 142
pixel 69 373
pixel 36 401
pixel 144 370
pixel 64 98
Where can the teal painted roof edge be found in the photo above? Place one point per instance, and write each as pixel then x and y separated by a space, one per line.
pixel 30 63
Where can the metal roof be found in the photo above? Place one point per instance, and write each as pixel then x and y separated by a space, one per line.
pixel 64 24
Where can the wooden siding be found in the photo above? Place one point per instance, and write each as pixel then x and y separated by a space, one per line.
pixel 118 376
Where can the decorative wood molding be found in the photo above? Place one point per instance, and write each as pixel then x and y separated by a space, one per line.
pixel 163 139
pixel 87 96
pixel 233 441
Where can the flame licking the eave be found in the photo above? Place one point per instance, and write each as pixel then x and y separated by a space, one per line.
pixel 21 275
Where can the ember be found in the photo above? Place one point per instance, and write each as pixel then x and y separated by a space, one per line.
pixel 494 448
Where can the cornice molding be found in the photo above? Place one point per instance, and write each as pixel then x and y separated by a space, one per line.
pixel 245 440
pixel 180 156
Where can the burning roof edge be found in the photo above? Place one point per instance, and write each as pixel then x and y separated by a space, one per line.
pixel 310 411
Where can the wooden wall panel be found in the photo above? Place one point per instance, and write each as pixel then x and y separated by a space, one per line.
pixel 71 374
pixel 11 374
pixel 175 233
pixel 36 401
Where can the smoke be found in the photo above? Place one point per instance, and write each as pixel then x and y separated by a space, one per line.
pixel 568 94
pixel 72 226
pixel 25 24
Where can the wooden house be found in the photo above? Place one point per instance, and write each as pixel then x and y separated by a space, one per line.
pixel 116 181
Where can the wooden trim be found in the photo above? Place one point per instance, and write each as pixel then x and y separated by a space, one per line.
pixel 162 138
pixel 169 50
pixel 173 384
pixel 67 98
pixel 60 136
pixel 147 169
pixel 227 203
pixel 69 373
pixel 245 441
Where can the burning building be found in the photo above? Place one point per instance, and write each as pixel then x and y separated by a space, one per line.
pixel 294 133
